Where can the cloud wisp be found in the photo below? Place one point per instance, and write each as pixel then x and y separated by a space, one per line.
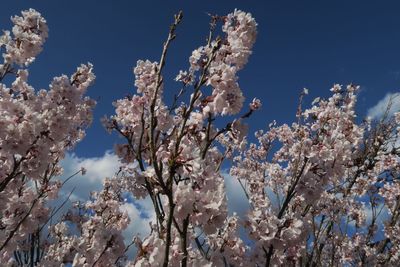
pixel 379 110
pixel 97 169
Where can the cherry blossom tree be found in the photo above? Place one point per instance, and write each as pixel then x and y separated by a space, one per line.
pixel 322 191
pixel 37 127
pixel 171 156
pixel 324 176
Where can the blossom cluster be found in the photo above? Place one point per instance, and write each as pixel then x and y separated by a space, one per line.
pixel 37 127
pixel 233 51
pixel 99 224
pixel 171 154
pixel 28 36
pixel 308 184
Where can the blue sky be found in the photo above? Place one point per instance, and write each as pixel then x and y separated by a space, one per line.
pixel 300 44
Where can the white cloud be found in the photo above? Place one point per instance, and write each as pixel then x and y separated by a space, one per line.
pixel 140 214
pixel 236 198
pixel 97 169
pixel 139 222
pixel 377 111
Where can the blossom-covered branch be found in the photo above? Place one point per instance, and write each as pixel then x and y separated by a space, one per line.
pixel 171 154
pixel 37 128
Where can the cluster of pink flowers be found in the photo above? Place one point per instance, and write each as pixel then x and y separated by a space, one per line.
pixel 321 191
pixel 232 54
pixel 37 127
pixel 171 154
pixel 28 35
pixel 310 194
pixel 98 240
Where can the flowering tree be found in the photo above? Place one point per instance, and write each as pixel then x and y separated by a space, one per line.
pixel 36 130
pixel 323 191
pixel 330 183
pixel 170 154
